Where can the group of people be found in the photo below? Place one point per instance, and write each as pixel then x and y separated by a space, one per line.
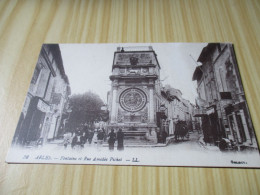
pixel 112 137
pixel 84 136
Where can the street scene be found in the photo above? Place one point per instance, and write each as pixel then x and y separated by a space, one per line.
pixel 195 142
pixel 143 98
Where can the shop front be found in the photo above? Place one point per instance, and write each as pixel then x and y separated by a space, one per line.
pixel 240 127
pixel 31 128
pixel 210 125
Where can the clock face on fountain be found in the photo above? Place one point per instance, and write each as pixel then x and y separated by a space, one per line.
pixel 132 99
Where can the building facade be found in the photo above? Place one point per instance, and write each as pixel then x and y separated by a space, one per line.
pixel 137 101
pixel 221 98
pixel 41 118
pixel 135 89
pixel 177 109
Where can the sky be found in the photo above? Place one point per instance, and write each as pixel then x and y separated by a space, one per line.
pixel 88 66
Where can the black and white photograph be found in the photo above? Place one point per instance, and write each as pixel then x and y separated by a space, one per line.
pixel 145 104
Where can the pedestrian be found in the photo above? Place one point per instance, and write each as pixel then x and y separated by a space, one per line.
pixel 85 133
pixel 100 137
pixel 67 139
pixel 105 135
pixel 94 138
pixel 77 141
pixel 90 136
pixel 164 135
pixel 159 136
pixel 120 140
pixel 111 139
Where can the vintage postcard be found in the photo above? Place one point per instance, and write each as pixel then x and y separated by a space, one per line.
pixel 156 104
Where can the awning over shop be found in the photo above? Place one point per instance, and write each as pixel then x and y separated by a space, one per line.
pixel 204 112
pixel 201 103
pixel 199 113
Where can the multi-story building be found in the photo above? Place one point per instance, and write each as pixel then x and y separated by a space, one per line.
pixel 133 100
pixel 176 109
pixel 137 102
pixel 46 99
pixel 221 97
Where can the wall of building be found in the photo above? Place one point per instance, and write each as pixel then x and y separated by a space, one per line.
pixel 177 108
pixel 46 99
pixel 224 94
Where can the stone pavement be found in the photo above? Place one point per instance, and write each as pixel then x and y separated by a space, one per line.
pixel 207 146
pixel 194 136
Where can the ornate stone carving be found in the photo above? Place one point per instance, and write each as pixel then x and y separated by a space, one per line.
pixel 133 71
pixel 133 99
pixel 144 117
pixel 122 70
pixel 145 70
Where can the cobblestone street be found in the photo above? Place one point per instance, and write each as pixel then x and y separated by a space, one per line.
pixel 193 143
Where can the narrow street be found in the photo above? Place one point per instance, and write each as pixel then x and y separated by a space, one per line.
pixel 193 143
pixel 187 152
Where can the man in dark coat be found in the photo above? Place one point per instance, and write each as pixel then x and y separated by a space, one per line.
pixel 159 136
pixel 78 139
pixel 164 135
pixel 90 136
pixel 111 139
pixel 100 137
pixel 85 133
pixel 120 140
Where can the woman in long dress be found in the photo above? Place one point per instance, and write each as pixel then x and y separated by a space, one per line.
pixel 111 139
pixel 120 140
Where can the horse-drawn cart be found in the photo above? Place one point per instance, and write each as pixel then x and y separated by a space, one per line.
pixel 181 131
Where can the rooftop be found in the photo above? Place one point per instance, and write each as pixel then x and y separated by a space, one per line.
pixel 135 48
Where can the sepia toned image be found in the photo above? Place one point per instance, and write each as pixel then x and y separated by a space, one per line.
pixel 156 104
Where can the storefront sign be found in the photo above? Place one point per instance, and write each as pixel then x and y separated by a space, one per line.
pixel 210 111
pixel 225 95
pixel 42 106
